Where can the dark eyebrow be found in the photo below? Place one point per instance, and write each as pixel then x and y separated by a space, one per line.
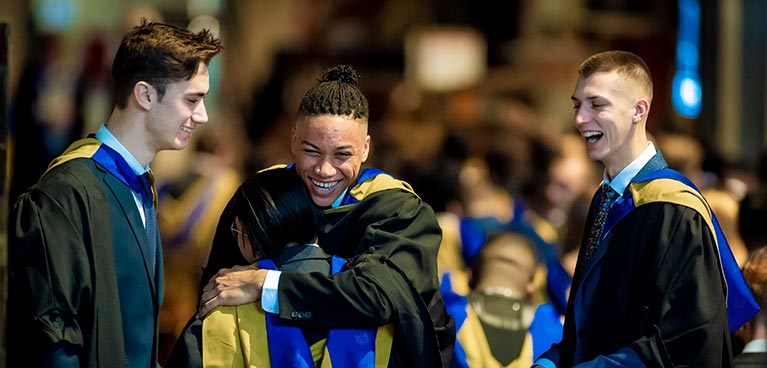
pixel 588 98
pixel 199 95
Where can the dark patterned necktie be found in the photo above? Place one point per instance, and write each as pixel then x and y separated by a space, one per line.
pixel 606 200
pixel 147 200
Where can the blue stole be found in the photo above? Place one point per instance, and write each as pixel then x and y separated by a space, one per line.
pixel 741 305
pixel 455 305
pixel 546 329
pixel 365 175
pixel 116 164
pixel 346 347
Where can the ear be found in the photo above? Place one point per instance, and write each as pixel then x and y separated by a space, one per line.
pixel 641 110
pixel 293 143
pixel 531 287
pixel 144 94
pixel 366 149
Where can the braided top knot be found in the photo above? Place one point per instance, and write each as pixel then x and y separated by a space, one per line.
pixel 336 93
pixel 341 73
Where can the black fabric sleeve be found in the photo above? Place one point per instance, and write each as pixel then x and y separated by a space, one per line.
pixel 49 275
pixel 687 318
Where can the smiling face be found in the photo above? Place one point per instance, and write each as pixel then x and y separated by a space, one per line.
pixel 610 114
pixel 329 151
pixel 173 117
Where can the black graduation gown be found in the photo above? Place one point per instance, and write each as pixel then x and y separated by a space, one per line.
pixel 391 238
pixel 655 285
pixel 63 282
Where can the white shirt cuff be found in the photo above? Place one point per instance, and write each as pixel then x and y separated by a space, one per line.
pixel 269 301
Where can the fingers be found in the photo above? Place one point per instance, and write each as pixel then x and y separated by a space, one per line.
pixel 206 307
pixel 232 286
pixel 210 291
pixel 212 283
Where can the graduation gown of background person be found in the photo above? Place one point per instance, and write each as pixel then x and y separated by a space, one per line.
pixel 68 232
pixel 654 285
pixel 390 238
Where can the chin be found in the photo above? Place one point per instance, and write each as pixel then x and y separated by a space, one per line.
pixel 179 145
pixel 322 202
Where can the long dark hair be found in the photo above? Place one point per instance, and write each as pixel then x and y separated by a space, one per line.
pixel 275 209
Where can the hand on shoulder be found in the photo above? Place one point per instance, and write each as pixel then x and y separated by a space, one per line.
pixel 232 286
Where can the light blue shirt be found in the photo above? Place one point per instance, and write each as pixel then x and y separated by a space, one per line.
pixel 756 346
pixel 106 137
pixel 625 357
pixel 269 296
pixel 623 179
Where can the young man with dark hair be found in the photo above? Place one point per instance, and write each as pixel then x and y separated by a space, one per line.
pixel 86 275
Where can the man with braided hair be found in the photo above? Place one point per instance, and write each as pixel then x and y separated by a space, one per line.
pixel 388 234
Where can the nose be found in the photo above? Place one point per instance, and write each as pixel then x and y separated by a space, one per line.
pixel 325 169
pixel 200 114
pixel 581 116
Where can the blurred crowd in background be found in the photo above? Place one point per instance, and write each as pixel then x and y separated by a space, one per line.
pixel 470 103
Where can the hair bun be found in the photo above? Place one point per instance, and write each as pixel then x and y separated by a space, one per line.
pixel 341 73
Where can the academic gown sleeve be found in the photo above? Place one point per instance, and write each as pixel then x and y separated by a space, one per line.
pixel 391 239
pixel 686 317
pixel 49 272
pixel 61 288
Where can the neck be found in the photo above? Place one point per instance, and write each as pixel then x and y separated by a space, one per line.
pixel 128 129
pixel 760 331
pixel 634 148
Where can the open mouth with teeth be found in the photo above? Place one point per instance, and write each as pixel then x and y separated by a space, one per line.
pixel 592 137
pixel 187 130
pixel 325 186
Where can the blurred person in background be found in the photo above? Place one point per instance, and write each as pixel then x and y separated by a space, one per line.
pixel 189 206
pixel 85 259
pixel 499 323
pixel 685 153
pixel 754 332
pixel 43 114
pixel 570 175
pixel 752 217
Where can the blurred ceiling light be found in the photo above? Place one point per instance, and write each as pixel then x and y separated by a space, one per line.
pixel 54 15
pixel 686 85
pixel 442 59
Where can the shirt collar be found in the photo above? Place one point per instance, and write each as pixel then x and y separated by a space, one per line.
pixel 622 180
pixel 756 346
pixel 106 137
